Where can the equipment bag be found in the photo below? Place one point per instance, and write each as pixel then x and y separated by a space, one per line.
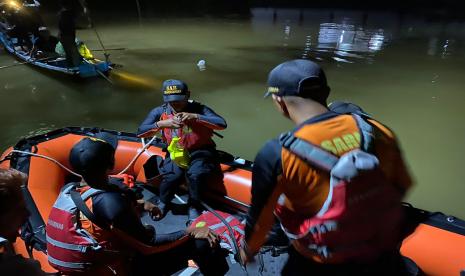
pixel 216 225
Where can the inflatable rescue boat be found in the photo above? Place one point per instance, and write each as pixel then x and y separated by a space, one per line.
pixel 436 242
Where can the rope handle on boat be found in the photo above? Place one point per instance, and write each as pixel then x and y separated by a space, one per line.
pixel 138 154
pixel 76 174
pixel 49 159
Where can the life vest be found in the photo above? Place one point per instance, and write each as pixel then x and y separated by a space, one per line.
pixel 80 46
pixel 84 51
pixel 178 153
pixel 217 226
pixel 361 217
pixel 192 135
pixel 70 247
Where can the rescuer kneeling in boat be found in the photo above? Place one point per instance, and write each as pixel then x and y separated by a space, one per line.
pixel 94 226
pixel 13 215
pixel 335 182
pixel 187 127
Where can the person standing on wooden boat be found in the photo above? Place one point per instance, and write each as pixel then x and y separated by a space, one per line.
pixel 187 127
pixel 67 31
pixel 335 182
pixel 109 230
pixel 13 214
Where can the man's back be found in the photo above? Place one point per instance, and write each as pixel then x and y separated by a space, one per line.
pixel 337 134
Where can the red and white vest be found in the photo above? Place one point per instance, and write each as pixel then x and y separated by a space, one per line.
pixel 193 135
pixel 70 247
pixel 362 215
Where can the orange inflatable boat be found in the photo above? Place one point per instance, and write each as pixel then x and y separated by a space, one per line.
pixel 436 244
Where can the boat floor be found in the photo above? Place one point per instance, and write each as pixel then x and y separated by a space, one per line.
pixel 264 264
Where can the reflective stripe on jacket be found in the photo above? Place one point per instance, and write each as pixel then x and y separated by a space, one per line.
pixel 70 247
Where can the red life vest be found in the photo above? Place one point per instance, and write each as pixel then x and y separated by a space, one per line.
pixel 70 247
pixel 217 226
pixel 361 217
pixel 193 135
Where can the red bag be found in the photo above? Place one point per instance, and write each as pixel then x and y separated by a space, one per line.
pixel 216 225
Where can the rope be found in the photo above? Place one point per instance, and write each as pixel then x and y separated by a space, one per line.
pixel 138 154
pixel 231 232
pixel 78 175
pixel 49 159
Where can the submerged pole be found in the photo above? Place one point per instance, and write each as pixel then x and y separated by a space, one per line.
pixel 138 12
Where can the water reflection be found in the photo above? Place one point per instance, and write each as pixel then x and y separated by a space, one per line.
pixel 355 36
pixel 442 48
pixel 348 41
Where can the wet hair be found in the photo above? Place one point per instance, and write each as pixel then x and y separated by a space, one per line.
pixel 10 188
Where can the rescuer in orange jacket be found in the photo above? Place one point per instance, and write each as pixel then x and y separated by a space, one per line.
pixel 345 226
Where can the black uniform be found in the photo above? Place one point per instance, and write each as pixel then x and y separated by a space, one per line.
pixel 67 31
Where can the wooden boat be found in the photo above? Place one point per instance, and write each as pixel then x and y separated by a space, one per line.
pixel 436 242
pixel 55 63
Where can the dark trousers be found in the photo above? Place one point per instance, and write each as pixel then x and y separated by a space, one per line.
pixel 73 58
pixel 203 169
pixel 210 262
pixel 388 264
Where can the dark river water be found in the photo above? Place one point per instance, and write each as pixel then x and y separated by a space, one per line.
pixel 407 71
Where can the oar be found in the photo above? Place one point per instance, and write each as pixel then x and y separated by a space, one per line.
pixel 26 62
pixel 104 76
pixel 109 49
pixel 89 18
pixel 138 12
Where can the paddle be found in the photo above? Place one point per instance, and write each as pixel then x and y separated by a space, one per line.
pixel 109 49
pixel 138 12
pixel 92 25
pixel 26 62
pixel 104 76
